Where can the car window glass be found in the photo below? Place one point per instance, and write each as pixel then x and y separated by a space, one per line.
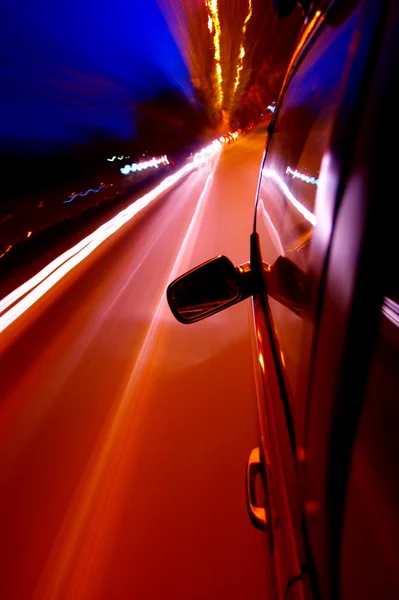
pixel 285 216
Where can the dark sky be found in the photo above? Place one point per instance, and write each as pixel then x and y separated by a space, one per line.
pixel 71 70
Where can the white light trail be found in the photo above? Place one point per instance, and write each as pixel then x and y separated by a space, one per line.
pixel 142 166
pixel 26 295
pixel 274 176
pixel 297 175
pixel 391 310
pixel 118 157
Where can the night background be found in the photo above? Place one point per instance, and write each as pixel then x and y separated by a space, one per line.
pixel 84 82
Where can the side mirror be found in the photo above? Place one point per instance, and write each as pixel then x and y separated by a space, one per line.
pixel 218 284
pixel 209 288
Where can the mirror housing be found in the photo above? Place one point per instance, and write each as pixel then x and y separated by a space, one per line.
pixel 208 289
pixel 217 284
pixel 286 283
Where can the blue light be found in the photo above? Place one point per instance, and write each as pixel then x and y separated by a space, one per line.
pixel 85 193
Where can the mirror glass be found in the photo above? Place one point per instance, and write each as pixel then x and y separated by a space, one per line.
pixel 204 290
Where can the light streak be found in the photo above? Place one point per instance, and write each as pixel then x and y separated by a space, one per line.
pixel 118 157
pixel 241 54
pixel 391 310
pixel 297 175
pixel 213 16
pixel 22 298
pixel 142 166
pixel 203 155
pixel 7 249
pixel 85 193
pixel 316 21
pixel 270 174
pixel 98 486
pixel 272 230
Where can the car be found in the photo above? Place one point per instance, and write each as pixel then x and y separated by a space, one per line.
pixel 322 279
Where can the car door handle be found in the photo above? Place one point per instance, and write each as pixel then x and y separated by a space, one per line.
pixel 255 467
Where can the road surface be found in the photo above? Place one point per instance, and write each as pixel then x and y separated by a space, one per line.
pixel 125 434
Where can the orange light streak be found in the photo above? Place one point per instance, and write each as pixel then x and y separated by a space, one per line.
pixel 261 362
pixel 85 529
pixel 5 251
pixel 241 53
pixel 213 18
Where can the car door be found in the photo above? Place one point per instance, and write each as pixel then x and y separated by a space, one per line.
pixel 299 187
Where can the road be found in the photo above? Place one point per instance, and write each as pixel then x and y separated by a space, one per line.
pixel 125 434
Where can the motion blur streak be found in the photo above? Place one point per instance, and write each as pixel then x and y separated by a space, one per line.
pixel 212 6
pixel 274 176
pixel 391 310
pixel 87 519
pixel 275 238
pixel 297 174
pixel 57 269
pixel 85 193
pixel 130 212
pixel 242 49
pixel 142 166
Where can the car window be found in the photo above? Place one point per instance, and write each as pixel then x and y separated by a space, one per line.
pixel 285 214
